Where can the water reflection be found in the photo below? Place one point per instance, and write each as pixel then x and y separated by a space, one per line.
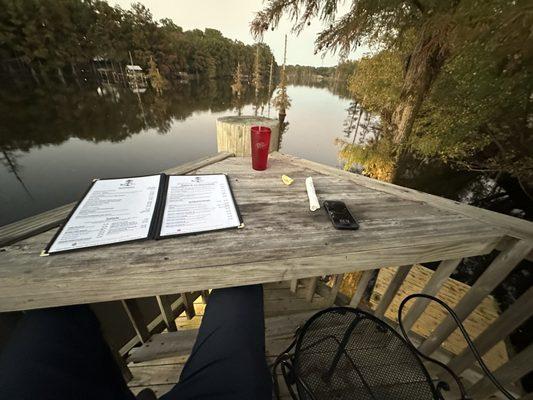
pixel 362 151
pixel 45 116
pixel 54 140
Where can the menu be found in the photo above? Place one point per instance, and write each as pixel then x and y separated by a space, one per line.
pixel 147 207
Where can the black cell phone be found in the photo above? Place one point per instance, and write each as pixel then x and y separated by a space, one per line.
pixel 340 215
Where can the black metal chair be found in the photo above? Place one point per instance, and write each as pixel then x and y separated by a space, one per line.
pixel 346 353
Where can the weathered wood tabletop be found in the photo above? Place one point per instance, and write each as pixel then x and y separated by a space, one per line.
pixel 281 240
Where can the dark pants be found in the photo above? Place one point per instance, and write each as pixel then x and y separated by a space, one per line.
pixel 60 354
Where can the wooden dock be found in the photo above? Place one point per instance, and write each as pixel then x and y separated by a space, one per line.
pixel 139 289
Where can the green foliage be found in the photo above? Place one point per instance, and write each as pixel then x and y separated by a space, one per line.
pixel 281 100
pixel 303 74
pixel 51 34
pixel 237 86
pixel 477 114
pixel 374 157
pixel 377 83
pixel 156 80
pixel 452 78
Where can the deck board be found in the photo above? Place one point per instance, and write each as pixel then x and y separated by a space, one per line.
pixel 282 240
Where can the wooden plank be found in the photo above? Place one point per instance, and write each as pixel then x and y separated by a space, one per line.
pixel 361 288
pixel 513 226
pixel 33 225
pixel 502 265
pixel 311 288
pixel 452 291
pixel 137 319
pixel 393 288
pixel 42 222
pixel 511 319
pixel 165 307
pixel 156 325
pixel 443 272
pixel 516 368
pixel 393 232
pixel 180 343
pixel 49 289
pixel 188 303
pixel 294 285
pixel 332 295
pixel 508 241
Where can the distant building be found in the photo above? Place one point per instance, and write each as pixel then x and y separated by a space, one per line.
pixel 136 76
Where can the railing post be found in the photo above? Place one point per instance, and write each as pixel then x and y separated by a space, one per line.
pixel 165 307
pixel 189 306
pixel 502 265
pixel 294 285
pixel 393 288
pixel 438 278
pixel 508 373
pixel 310 291
pixel 511 319
pixel 337 282
pixel 361 288
pixel 137 319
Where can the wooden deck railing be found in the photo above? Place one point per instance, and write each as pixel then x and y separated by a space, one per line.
pixel 513 251
pixel 159 313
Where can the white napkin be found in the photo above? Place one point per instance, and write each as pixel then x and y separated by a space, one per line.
pixel 313 200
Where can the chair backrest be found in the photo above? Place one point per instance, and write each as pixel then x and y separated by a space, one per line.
pixel 346 353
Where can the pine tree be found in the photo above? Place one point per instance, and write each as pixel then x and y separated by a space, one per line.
pixel 237 87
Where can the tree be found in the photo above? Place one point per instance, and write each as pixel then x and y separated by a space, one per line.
pixel 427 33
pixel 281 100
pixel 476 114
pixel 156 80
pixel 377 84
pixel 49 35
pixel 419 42
pixel 237 87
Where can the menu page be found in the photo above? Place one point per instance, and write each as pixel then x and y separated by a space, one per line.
pixel 114 210
pixel 198 203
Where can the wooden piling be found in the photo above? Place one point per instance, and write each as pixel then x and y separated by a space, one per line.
pixel 233 133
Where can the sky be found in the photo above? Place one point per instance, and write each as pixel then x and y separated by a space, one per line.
pixel 233 17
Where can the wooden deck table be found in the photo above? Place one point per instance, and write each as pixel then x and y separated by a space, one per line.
pixel 282 240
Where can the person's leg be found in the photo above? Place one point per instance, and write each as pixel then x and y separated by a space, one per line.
pixel 228 358
pixel 60 354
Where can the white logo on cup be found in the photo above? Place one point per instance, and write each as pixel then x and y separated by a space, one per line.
pixel 260 145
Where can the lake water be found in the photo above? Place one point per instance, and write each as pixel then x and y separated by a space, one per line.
pixel 54 141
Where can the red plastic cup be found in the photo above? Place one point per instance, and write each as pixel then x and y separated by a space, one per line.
pixel 260 145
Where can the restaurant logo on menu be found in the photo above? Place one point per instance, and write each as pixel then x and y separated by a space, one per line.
pixel 128 183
